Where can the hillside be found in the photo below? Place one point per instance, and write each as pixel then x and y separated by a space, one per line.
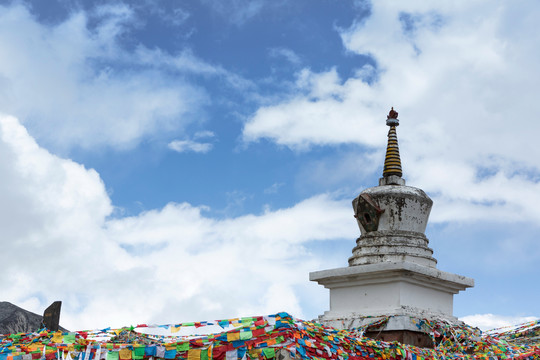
pixel 14 319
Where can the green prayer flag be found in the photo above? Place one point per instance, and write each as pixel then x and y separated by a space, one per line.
pixel 246 335
pixel 204 354
pixel 182 346
pixel 269 353
pixel 138 352
pixel 113 355
pixel 69 338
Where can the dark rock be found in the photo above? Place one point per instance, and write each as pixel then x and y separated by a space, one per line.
pixel 14 319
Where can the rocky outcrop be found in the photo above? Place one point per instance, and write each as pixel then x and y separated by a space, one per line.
pixel 14 319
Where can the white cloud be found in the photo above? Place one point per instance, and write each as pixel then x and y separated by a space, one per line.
pixel 187 62
pixel 464 79
pixel 51 219
pixel 324 112
pixel 164 265
pixel 285 53
pixel 175 16
pixel 490 321
pixel 74 84
pixel 189 145
pixel 204 267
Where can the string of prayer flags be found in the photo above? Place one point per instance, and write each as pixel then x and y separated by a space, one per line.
pixel 266 337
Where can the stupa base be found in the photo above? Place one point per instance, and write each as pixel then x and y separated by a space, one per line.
pixel 404 293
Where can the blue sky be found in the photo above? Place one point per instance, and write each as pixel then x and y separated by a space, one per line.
pixel 171 161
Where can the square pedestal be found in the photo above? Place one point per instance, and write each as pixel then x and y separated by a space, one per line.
pixel 389 288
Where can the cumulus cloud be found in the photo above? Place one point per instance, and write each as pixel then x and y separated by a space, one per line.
pixel 490 321
pixel 324 112
pixel 52 216
pixel 164 265
pixel 76 84
pixel 464 80
pixel 188 145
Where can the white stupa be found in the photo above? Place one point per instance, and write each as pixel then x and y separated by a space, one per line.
pixel 392 271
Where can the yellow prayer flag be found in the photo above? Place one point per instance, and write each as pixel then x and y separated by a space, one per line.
pixel 194 354
pixel 175 329
pixel 57 337
pixel 233 336
pixel 254 353
pixel 125 354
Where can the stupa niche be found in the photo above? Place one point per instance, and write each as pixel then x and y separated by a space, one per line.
pixel 392 271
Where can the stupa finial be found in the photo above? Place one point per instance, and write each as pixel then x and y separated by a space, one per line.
pixel 392 162
pixel 393 114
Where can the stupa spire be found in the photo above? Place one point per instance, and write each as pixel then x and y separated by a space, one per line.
pixel 392 161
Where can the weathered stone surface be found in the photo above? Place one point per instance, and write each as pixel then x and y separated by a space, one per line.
pixel 399 235
pixel 51 316
pixel 405 208
pixel 381 246
pixel 391 180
